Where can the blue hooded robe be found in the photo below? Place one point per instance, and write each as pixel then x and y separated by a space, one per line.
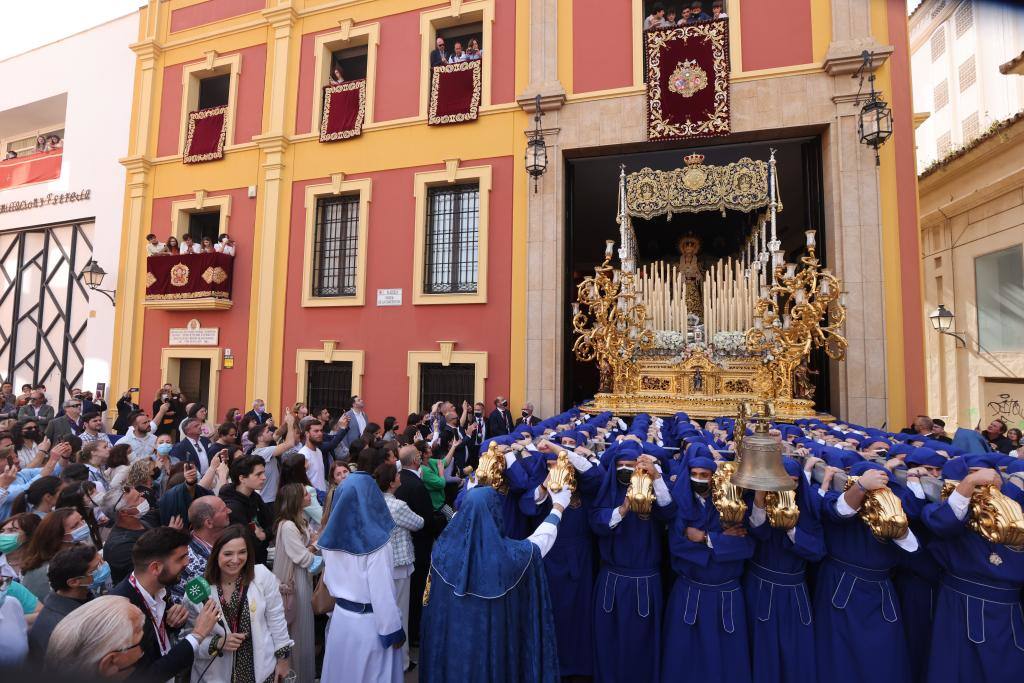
pixel 778 604
pixel 488 618
pixel 979 626
pixel 856 613
pixel 628 595
pixel 705 618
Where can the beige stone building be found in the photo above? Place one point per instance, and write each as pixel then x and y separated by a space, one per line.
pixel 972 237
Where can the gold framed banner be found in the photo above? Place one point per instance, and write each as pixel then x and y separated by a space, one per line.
pixel 206 135
pixel 455 93
pixel 688 81
pixel 344 111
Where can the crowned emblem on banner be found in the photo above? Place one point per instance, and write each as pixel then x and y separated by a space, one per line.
pixel 179 275
pixel 688 79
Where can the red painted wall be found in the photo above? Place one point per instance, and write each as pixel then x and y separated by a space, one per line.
pixel 776 33
pixel 210 11
pixel 602 45
pixel 503 52
pixel 386 334
pixel 249 114
pixel 233 324
pixel 906 201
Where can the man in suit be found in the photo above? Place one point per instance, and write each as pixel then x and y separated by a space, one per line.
pixel 499 422
pixel 158 557
pixel 414 493
pixel 528 418
pixel 438 56
pixel 68 424
pixel 357 421
pixel 259 412
pixel 36 409
pixel 193 448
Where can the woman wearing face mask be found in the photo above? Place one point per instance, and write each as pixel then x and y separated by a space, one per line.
pixel 27 441
pixel 257 646
pixel 15 533
pixel 60 529
pixel 76 575
pixel 74 496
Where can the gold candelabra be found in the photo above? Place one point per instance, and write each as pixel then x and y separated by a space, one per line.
pixel 800 311
pixel 612 328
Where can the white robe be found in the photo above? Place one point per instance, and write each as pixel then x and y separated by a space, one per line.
pixel 353 650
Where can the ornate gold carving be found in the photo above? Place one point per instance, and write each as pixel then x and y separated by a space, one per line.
pixel 738 386
pixel 203 114
pixel 356 129
pixel 658 126
pixel 150 279
pixel 727 497
pixel 179 275
pixel 688 79
pixel 741 185
pixel 656 383
pixel 214 274
pixel 435 79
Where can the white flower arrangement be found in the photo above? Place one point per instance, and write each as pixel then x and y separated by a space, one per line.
pixel 730 344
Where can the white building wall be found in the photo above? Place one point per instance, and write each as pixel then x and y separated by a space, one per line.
pixel 995 35
pixel 96 70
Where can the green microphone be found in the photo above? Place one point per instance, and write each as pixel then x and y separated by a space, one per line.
pixel 197 591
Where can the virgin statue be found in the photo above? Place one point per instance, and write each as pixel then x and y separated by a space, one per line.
pixel 692 270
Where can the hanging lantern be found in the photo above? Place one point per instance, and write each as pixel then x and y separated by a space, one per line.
pixel 536 160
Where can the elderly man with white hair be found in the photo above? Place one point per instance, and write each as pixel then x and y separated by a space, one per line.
pixel 102 638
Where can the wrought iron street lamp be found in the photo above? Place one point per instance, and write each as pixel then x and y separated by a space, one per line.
pixel 942 321
pixel 874 122
pixel 92 275
pixel 536 148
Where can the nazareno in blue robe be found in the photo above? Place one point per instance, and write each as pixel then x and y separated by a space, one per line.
pixel 979 627
pixel 488 617
pixel 705 631
pixel 627 592
pixel 857 625
pixel 569 566
pixel 779 613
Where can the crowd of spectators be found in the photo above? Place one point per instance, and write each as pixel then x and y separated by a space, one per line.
pixel 188 245
pixel 669 16
pixel 44 143
pixel 441 55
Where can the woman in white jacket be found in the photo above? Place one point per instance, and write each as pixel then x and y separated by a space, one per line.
pixel 252 631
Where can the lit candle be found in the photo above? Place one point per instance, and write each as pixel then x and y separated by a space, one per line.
pixel 810 237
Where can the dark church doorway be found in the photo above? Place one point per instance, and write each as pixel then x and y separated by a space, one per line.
pixel 591 190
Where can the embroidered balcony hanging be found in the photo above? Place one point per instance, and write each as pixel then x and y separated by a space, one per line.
pixel 455 93
pixel 206 135
pixel 688 81
pixel 344 111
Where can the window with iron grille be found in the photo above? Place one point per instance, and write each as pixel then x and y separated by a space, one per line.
pixel 938 42
pixel 943 144
pixel 968 74
pixel 970 127
pixel 453 217
pixel 941 95
pixel 964 18
pixel 455 382
pixel 328 385
pixel 335 245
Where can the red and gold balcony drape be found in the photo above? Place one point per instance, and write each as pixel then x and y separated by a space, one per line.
pixel 30 168
pixel 206 135
pixel 455 93
pixel 344 111
pixel 688 81
pixel 189 276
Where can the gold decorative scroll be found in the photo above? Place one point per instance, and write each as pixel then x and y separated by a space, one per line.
pixel 741 186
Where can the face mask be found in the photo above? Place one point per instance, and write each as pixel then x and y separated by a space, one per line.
pixel 100 576
pixel 164 448
pixel 30 434
pixel 260 410
pixel 623 475
pixel 142 508
pixel 10 542
pixel 699 486
pixel 80 534
pixel 478 413
pixel 526 414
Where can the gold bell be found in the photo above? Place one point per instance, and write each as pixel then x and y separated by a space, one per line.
pixel 760 461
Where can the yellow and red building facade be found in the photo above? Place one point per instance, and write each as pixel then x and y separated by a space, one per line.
pixel 792 63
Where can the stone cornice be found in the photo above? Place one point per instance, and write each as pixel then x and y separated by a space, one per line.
pixel 844 57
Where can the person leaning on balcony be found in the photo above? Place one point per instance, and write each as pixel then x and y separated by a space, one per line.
pixel 473 50
pixel 225 245
pixel 172 245
pixel 11 154
pixel 656 17
pixel 188 246
pixel 154 246
pixel 40 144
pixel 53 142
pixel 458 55
pixel 337 75
pixel 207 246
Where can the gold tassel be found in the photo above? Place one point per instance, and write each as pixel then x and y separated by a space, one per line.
pixel 426 592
